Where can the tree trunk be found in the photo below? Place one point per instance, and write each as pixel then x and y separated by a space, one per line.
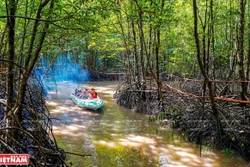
pixel 4 32
pixel 136 63
pixel 207 81
pixel 203 72
pixel 157 48
pixel 241 49
pixel 11 10
pixel 140 26
pixel 33 56
pixel 127 57
pixel 248 52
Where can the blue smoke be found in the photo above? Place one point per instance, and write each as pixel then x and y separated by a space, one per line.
pixel 62 69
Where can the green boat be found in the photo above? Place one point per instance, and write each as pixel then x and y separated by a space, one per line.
pixel 93 104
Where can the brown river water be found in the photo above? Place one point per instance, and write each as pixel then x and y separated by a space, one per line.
pixel 118 137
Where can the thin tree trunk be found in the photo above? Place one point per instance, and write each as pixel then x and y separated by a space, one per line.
pixel 203 72
pixel 20 56
pixel 213 41
pixel 140 26
pixel 231 54
pixel 34 57
pixel 248 52
pixel 157 48
pixel 241 49
pixel 135 53
pixel 207 81
pixel 141 49
pixel 4 32
pixel 34 31
pixel 127 62
pixel 11 10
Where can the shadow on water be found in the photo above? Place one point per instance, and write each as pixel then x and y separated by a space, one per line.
pixel 117 137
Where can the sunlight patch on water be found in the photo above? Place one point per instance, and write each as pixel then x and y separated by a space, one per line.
pixel 72 109
pixel 180 156
pixel 52 103
pixel 68 133
pixel 167 156
pixel 106 143
pixel 184 153
pixel 133 140
pixel 126 142
pixel 109 92
pixel 72 128
pixel 141 139
pixel 69 130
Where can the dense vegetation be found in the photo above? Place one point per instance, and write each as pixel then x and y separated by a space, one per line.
pixel 198 50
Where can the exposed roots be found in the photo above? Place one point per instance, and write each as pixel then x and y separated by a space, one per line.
pixel 229 129
pixel 27 128
pixel 135 97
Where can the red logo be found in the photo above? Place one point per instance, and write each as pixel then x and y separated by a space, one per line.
pixel 14 159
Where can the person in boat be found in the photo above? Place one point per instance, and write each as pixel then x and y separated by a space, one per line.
pixel 93 93
pixel 85 94
pixel 77 92
pixel 86 91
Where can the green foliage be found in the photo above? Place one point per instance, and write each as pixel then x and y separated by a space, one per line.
pixel 233 138
pixel 228 151
pixel 101 31
pixel 158 118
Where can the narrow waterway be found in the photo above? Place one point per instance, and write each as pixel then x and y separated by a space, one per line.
pixel 117 137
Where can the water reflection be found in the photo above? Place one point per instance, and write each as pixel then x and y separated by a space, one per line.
pixel 118 137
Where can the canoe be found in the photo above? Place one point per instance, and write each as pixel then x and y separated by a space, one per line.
pixel 93 104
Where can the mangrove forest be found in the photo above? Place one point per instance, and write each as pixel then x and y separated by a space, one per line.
pixel 181 64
